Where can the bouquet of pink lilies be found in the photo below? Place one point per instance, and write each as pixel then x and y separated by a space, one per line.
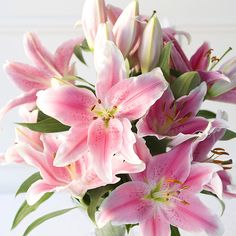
pixel 133 150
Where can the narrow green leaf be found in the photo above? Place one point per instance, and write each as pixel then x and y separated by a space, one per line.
pixel 49 125
pixel 28 182
pixel 110 230
pixel 174 231
pixel 206 114
pixel 164 61
pixel 25 209
pixel 44 218
pixel 214 195
pixel 95 199
pixel 79 54
pixel 185 83
pixel 229 134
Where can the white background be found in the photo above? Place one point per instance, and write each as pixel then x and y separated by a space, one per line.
pixel 212 20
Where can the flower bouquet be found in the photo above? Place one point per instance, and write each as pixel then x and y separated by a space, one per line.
pixel 134 149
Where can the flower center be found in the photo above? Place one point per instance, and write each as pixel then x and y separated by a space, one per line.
pixel 220 153
pixel 167 190
pixel 106 114
pixel 171 116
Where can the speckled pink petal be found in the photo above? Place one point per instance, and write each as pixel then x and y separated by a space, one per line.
pixel 104 140
pixel 68 104
pixel 73 147
pixel 110 67
pixel 194 217
pixel 64 53
pixel 155 226
pixel 126 205
pixel 134 96
pixel 27 77
pixel 174 164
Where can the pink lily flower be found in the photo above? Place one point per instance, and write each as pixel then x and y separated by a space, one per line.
pixel 31 79
pixel 101 123
pixel 221 183
pixel 76 178
pixel 166 196
pixel 171 118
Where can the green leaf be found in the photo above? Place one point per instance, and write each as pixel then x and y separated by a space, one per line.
pixel 185 83
pixel 28 182
pixel 110 230
pixel 174 231
pixel 96 198
pixel 156 146
pixel 42 116
pixel 44 218
pixel 206 114
pixel 214 195
pixel 85 46
pixel 164 61
pixel 229 134
pixel 25 209
pixel 49 125
pixel 129 227
pixel 79 54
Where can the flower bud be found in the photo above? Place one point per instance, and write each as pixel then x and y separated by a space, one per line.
pixel 151 45
pixel 125 28
pixel 94 13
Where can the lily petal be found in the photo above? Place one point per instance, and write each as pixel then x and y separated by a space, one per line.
pixel 156 225
pixel 64 53
pixel 26 77
pixel 194 217
pixel 129 140
pixel 28 97
pixel 41 57
pixel 77 103
pixel 110 67
pixel 104 140
pixel 190 105
pixel 174 164
pixel 134 96
pixel 73 147
pixel 200 175
pixel 126 205
pixel 37 190
pixel 201 58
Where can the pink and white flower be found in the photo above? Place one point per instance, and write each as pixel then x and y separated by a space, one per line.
pixel 31 79
pixel 169 117
pixel 167 195
pixel 101 123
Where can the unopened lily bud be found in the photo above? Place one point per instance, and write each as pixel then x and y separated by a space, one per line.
pixel 151 45
pixel 94 13
pixel 125 28
pixel 113 13
pixel 104 33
